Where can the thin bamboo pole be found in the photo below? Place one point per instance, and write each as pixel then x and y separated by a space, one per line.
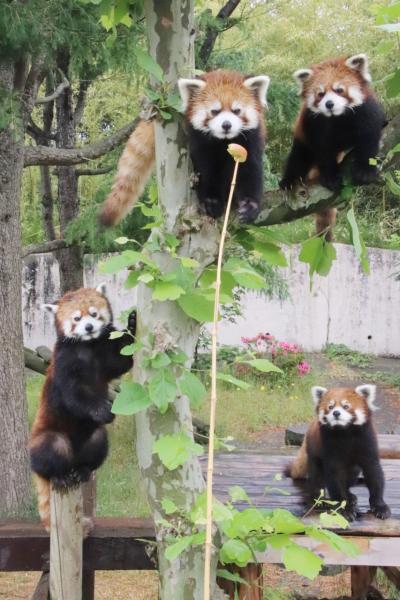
pixel 210 466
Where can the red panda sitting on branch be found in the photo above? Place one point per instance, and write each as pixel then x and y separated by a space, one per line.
pixel 68 439
pixel 339 445
pixel 221 107
pixel 339 113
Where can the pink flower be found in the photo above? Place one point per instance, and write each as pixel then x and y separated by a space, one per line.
pixel 261 345
pixel 303 368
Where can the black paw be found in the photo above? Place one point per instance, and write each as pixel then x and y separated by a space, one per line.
pixel 213 207
pixel 364 175
pixel 248 210
pixel 381 511
pixel 350 513
pixel 66 482
pixel 102 415
pixel 332 181
pixel 132 319
pixel 286 184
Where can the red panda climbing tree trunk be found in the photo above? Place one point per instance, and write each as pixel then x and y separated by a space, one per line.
pixel 171 32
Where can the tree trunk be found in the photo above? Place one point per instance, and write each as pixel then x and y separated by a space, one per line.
pixel 170 32
pixel 70 259
pixel 14 464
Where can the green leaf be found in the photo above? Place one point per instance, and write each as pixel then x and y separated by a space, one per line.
pixel 357 241
pixel 174 550
pixel 169 506
pixel 148 64
pixel 146 277
pixel 128 350
pixel 338 542
pixel 163 290
pixel 174 450
pixel 132 280
pixel 235 551
pixel 233 380
pixel 162 389
pixel 160 360
pixel 121 240
pixel 244 522
pixel 319 254
pixel 198 514
pixel 271 253
pixel 392 83
pixel 178 356
pixel 333 520
pixel 238 494
pixel 188 262
pixel 197 305
pixel 209 276
pixel 393 186
pixel 235 577
pixel 284 521
pixel 114 335
pixel 244 274
pixel 302 561
pixel 262 364
pixel 114 264
pixel 191 386
pixel 131 399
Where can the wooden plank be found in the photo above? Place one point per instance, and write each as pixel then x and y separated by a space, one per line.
pixel 42 589
pixel 66 545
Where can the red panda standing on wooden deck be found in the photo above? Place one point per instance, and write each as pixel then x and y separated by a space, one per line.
pixel 68 439
pixel 339 113
pixel 221 107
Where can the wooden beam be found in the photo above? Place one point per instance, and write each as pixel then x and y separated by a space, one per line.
pixel 66 545
pixel 361 579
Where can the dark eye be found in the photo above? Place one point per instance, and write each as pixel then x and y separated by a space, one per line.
pixel 236 111
pixel 346 406
pixel 339 90
pixel 93 314
pixel 215 112
pixel 77 319
pixel 320 95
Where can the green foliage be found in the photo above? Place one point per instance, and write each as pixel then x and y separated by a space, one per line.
pixel 175 449
pixel 319 254
pixel 344 354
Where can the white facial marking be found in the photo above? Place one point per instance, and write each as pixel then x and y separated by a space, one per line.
pixel 368 391
pixel 67 328
pixel 321 416
pixel 338 417
pixel 356 95
pixel 361 417
pixel 316 393
pixel 198 119
pixel 225 125
pixel 331 105
pixel 310 102
pixel 188 88
pixel 359 62
pixel 215 106
pixel 260 83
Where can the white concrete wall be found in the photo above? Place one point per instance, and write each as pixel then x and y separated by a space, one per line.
pixel 346 307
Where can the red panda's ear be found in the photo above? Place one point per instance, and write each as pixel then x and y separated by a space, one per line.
pixel 260 85
pixel 301 76
pixel 317 392
pixel 101 289
pixel 53 308
pixel 368 392
pixel 359 62
pixel 188 88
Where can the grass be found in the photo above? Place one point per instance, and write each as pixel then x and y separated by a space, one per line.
pixel 344 354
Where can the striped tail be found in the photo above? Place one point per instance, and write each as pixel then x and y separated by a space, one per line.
pixel 43 492
pixel 134 170
pixel 297 469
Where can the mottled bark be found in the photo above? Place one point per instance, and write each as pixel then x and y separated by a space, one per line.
pixel 14 466
pixel 170 32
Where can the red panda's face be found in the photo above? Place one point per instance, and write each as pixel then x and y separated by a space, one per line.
pixel 335 86
pixel 341 407
pixel 223 104
pixel 82 314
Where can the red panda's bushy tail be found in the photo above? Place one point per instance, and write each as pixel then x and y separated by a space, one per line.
pixel 134 169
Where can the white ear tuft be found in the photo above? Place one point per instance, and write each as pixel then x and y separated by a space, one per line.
pixel 301 76
pixel 317 392
pixel 102 288
pixel 368 392
pixel 260 84
pixel 53 308
pixel 359 62
pixel 188 87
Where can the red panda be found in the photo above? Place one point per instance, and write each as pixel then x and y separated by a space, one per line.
pixel 340 444
pixel 220 107
pixel 339 113
pixel 68 439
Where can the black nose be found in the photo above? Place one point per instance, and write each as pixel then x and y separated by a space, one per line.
pixel 226 125
pixel 329 104
pixel 336 414
pixel 89 327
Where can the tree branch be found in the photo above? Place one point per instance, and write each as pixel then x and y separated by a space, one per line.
pixel 212 32
pixel 43 155
pixel 43 247
pixel 57 92
pixel 99 171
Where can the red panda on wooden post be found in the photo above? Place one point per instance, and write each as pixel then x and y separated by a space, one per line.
pixel 339 113
pixel 220 107
pixel 68 439
pixel 340 444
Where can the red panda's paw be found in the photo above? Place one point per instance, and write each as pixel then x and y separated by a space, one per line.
pixel 213 207
pixel 381 511
pixel 248 210
pixel 364 175
pixel 132 318
pixel 286 184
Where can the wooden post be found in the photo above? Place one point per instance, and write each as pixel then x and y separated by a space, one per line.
pixel 251 590
pixel 361 579
pixel 66 545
